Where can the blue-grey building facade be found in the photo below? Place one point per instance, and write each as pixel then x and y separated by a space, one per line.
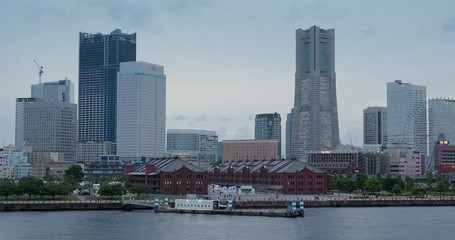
pixel 57 91
pixel 268 127
pixel 315 123
pixel 100 56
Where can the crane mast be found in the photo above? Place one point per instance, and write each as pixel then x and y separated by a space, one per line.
pixel 40 70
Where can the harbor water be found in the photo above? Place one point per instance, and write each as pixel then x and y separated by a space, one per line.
pixel 319 223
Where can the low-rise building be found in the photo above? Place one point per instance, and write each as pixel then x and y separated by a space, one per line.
pixel 405 162
pixel 176 176
pixel 235 150
pixel 372 163
pixel 444 159
pixel 335 161
pixel 109 167
pixel 46 165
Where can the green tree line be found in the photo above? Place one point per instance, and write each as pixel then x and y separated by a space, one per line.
pixel 395 185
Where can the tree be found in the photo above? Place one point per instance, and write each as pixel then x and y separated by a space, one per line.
pixel 30 186
pixel 138 189
pixel 373 185
pixel 73 176
pixel 360 180
pixel 388 183
pixel 396 189
pixel 218 162
pixel 441 186
pixel 348 185
pixel 417 189
pixel 74 172
pixel 408 183
pixel 111 190
pixel 7 187
pixel 53 189
pixel 430 180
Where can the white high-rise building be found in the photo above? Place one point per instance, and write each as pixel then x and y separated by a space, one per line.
pixel 407 115
pixel 141 110
pixel 441 119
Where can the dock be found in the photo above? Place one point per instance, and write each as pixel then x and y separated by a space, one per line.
pixel 265 213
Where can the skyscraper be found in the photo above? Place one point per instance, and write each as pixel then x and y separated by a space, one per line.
pixel 100 56
pixel 20 121
pixel 268 127
pixel 289 122
pixel 51 127
pixel 141 110
pixel 406 115
pixel 441 119
pixel 58 91
pixel 315 124
pixel 375 125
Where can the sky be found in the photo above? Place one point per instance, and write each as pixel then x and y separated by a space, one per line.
pixel 227 61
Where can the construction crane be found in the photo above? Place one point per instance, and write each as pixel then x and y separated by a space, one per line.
pixel 40 70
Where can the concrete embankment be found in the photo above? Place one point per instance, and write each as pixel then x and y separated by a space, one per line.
pixel 62 205
pixel 347 203
pixel 117 205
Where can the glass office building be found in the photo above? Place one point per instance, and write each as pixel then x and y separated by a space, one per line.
pixel 100 56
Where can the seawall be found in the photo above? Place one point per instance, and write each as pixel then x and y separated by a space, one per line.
pixel 117 205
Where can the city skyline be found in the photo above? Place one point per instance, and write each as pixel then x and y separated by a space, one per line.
pixel 218 56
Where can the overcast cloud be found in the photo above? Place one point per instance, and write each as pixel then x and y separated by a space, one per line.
pixel 233 59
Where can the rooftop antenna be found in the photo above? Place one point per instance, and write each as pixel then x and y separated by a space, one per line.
pixel 40 70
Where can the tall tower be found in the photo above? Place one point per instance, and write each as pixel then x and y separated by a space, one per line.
pixel 407 115
pixel 141 110
pixel 315 124
pixel 375 126
pixel 268 127
pixel 441 120
pixel 100 56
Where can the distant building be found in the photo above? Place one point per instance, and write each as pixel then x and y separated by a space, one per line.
pixel 100 56
pixel 14 165
pixel 20 121
pixel 372 163
pixel 405 162
pixel 288 176
pixel 34 157
pixel 315 122
pixel 335 161
pixel 444 158
pixel 6 171
pixel 176 176
pixel 108 167
pixel 234 150
pixel 199 147
pixel 375 126
pixel 268 127
pixel 407 116
pixel 92 151
pixel 141 110
pixel 441 119
pixel 48 166
pixel 47 127
pixel 58 91
pixel 289 122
